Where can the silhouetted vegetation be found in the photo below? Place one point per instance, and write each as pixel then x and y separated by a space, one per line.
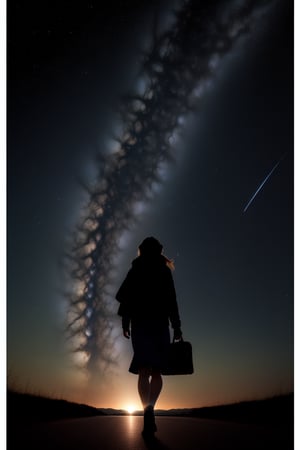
pixel 275 410
pixel 271 411
pixel 31 408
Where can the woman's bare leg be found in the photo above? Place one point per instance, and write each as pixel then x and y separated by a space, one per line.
pixel 144 386
pixel 155 387
pixel 149 391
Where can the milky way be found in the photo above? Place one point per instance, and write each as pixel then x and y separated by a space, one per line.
pixel 175 73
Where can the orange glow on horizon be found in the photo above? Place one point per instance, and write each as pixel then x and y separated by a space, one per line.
pixel 131 409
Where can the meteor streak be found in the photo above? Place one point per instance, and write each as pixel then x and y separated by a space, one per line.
pixel 263 183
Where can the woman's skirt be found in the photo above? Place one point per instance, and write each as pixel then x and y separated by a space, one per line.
pixel 150 344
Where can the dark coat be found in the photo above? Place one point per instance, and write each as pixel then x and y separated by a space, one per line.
pixel 147 295
pixel 148 302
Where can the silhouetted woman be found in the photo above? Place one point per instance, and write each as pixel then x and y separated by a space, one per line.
pixel 147 306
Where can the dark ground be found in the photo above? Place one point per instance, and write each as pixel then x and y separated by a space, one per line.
pixel 124 433
pixel 36 422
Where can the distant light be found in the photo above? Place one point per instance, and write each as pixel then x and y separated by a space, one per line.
pixel 89 312
pixel 88 332
pixel 130 409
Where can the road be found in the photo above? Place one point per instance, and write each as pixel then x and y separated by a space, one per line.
pixel 124 433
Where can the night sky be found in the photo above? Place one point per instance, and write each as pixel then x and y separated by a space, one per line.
pixel 70 68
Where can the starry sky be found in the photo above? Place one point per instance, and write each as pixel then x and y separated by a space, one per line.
pixel 69 69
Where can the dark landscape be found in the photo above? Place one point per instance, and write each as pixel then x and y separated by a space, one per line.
pixel 39 422
pixel 274 410
pixel 30 408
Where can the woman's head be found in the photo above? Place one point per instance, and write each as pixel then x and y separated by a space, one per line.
pixel 151 247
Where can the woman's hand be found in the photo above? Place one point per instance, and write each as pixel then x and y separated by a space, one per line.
pixel 177 334
pixel 126 333
pixel 126 326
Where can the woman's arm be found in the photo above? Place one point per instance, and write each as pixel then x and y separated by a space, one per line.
pixel 124 295
pixel 173 308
